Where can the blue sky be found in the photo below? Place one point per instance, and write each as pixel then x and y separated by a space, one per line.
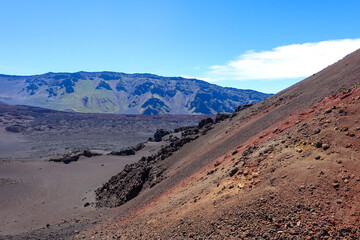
pixel 210 40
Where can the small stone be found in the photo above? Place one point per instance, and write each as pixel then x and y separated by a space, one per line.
pixel 346 181
pixel 266 235
pixel 86 204
pixel 318 144
pixel 336 185
pixel 344 129
pixel 328 110
pixel 301 187
pixel 325 146
pixel 317 157
pixel 272 181
pixel 339 201
pixel 316 131
pixel 241 164
pixel 233 171
pixel 350 134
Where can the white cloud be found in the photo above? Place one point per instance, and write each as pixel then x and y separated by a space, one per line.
pixel 290 61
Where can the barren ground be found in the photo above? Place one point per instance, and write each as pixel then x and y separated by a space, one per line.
pixel 35 192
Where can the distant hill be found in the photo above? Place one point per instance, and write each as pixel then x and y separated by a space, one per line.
pixel 111 92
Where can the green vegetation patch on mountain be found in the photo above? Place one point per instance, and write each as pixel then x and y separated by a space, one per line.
pixel 112 92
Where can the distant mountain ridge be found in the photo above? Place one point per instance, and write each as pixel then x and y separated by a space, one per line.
pixel 113 92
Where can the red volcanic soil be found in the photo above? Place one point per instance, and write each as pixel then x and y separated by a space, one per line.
pixel 284 168
pixel 298 178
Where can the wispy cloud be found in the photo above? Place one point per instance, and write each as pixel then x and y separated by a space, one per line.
pixel 290 61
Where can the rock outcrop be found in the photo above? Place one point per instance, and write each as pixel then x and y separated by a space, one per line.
pixel 73 157
pixel 148 171
pixel 128 151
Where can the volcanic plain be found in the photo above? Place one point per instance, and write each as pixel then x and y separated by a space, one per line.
pixel 37 191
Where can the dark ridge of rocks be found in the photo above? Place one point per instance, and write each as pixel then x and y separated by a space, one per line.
pixel 137 176
pixel 54 133
pixel 88 153
pixel 147 172
pixel 123 186
pixel 159 134
pixel 243 107
pixel 181 129
pixel 14 128
pixel 128 151
pixel 73 157
pixel 190 131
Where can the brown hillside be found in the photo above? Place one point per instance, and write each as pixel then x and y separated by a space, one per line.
pixel 284 168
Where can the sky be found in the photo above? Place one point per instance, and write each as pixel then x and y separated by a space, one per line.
pixel 249 44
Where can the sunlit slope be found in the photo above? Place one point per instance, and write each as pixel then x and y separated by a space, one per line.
pixel 109 92
pixel 284 168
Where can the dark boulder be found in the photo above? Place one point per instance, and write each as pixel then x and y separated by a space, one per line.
pixel 159 134
pixel 222 116
pixel 73 157
pixel 128 151
pixel 205 122
pixel 123 186
pixel 68 158
pixel 180 129
pixel 14 128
